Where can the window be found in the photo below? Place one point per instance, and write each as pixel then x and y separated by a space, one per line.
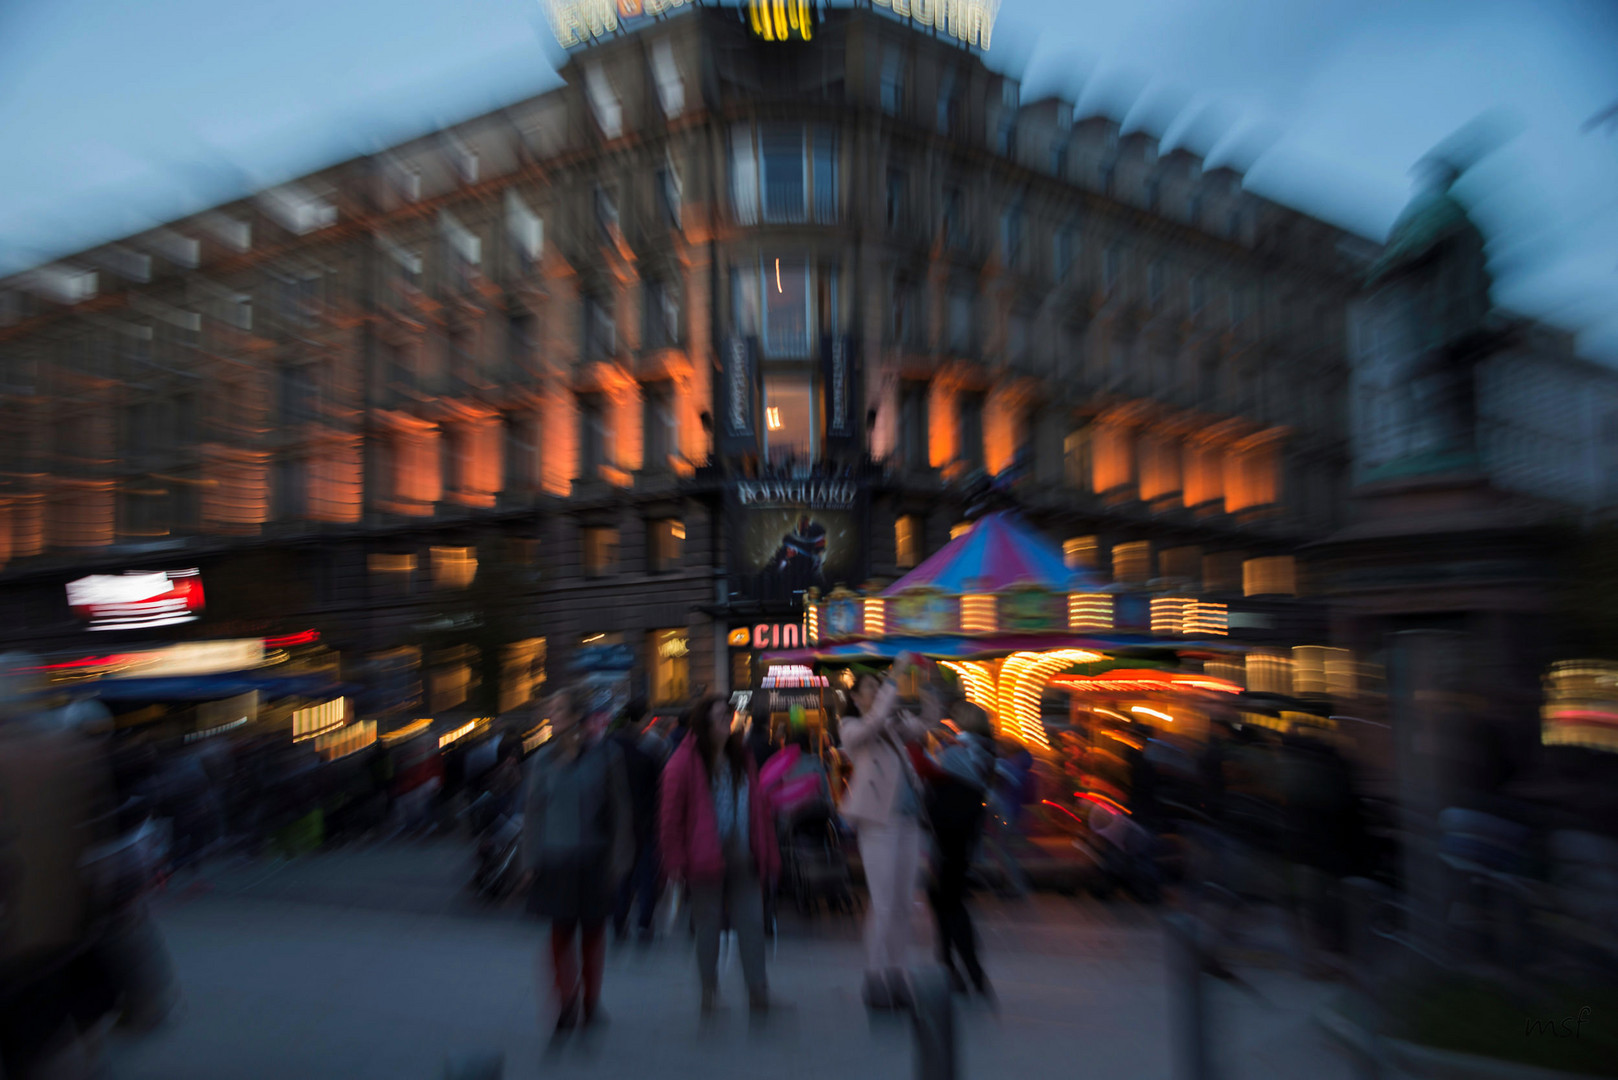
pixel 1010 101
pixel 521 443
pixel 600 545
pixel 660 316
pixel 592 436
pixel 1273 576
pixel 670 665
pixel 1059 159
pixel 897 185
pixel 1017 336
pixel 662 431
pixel 670 195
pixel 1078 465
pixel 392 573
pixel 960 321
pixel 824 174
pixel 519 342
pixel 905 316
pixel 1011 234
pixel 969 419
pixel 665 545
pixel 522 672
pixel 787 307
pixel 670 87
pixel 1154 283
pixel 794 166
pixel 454 567
pixel 603 101
pixel 907 541
pixel 1066 252
pixel 1080 552
pixel 527 231
pixel 954 219
pixel 291 488
pixel 600 332
pixel 785 179
pixel 297 393
pixel 607 214
pixel 1113 267
pixel 893 78
pixel 790 418
pixel 913 424
pixel 949 104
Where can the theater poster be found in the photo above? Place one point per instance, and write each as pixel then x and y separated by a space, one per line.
pixel 789 536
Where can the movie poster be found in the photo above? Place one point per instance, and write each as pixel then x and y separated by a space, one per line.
pixel 792 536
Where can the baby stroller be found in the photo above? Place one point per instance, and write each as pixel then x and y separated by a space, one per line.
pixel 814 864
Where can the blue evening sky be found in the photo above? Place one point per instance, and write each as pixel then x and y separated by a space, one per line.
pixel 117 115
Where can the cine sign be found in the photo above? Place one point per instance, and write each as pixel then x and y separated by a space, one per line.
pixel 968 21
pixel 767 636
pixel 781 20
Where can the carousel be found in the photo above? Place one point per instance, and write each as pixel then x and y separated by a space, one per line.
pixel 1046 649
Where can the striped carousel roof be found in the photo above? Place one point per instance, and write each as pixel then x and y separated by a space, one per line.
pixel 999 551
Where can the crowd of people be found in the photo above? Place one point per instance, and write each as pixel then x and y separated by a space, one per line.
pixel 617 808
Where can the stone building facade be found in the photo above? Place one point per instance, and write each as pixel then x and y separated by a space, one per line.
pixel 470 403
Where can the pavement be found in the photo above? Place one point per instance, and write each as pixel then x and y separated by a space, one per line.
pixel 371 965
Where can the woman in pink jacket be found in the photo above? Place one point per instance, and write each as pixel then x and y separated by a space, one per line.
pixel 717 829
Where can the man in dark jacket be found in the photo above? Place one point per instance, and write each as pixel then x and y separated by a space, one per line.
pixel 644 768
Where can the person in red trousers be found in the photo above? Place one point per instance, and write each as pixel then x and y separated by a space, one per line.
pixel 578 844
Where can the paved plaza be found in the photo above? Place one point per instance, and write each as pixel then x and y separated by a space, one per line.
pixel 368 965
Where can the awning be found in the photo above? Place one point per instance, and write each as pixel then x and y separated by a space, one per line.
pixel 219 687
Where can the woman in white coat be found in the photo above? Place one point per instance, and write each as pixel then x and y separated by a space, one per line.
pixel 884 809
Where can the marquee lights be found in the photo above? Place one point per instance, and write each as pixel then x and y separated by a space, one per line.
pixel 971 22
pixel 781 20
pixel 576 22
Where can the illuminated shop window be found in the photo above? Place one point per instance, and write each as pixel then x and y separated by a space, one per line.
pixel 669 662
pixel 907 541
pixel 600 545
pixel 522 673
pixel 454 567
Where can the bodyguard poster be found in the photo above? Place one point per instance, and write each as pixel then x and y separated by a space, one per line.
pixel 793 535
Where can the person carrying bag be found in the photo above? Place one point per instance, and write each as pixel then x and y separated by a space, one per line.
pixel 884 808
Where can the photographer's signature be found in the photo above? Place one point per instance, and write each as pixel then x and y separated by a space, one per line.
pixel 1570 1026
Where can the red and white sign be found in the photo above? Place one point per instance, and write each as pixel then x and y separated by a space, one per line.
pixel 136 601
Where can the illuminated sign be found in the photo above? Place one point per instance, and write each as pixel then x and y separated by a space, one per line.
pixel 190 658
pixel 968 21
pixel 814 494
pixel 673 647
pixel 578 21
pixel 781 20
pixel 767 636
pixel 135 601
pixel 793 677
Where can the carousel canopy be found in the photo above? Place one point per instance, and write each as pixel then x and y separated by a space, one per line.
pixel 998 552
